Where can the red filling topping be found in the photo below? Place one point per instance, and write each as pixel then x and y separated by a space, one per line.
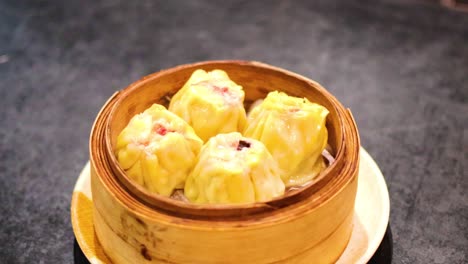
pixel 161 130
pixel 222 90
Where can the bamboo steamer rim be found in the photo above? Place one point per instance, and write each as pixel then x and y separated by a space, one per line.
pixel 137 199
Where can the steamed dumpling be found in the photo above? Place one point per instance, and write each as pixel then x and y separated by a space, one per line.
pixel 293 130
pixel 158 149
pixel 211 103
pixel 234 169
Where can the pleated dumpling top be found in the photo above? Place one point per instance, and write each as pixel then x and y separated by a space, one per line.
pixel 234 169
pixel 158 149
pixel 211 103
pixel 293 130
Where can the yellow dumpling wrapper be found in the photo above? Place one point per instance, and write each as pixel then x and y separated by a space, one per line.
pixel 234 169
pixel 293 130
pixel 211 103
pixel 158 149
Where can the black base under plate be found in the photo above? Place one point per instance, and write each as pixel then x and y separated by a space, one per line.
pixel 383 255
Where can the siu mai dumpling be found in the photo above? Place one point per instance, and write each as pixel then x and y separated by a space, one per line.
pixel 234 169
pixel 158 150
pixel 211 103
pixel 293 130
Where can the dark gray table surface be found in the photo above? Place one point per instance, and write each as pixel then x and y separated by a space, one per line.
pixel 401 66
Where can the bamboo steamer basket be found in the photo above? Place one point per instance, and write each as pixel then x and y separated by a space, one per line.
pixel 308 225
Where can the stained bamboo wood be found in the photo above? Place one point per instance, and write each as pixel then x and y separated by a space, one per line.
pixel 135 226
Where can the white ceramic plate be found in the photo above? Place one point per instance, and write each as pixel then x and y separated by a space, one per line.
pixel 371 216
